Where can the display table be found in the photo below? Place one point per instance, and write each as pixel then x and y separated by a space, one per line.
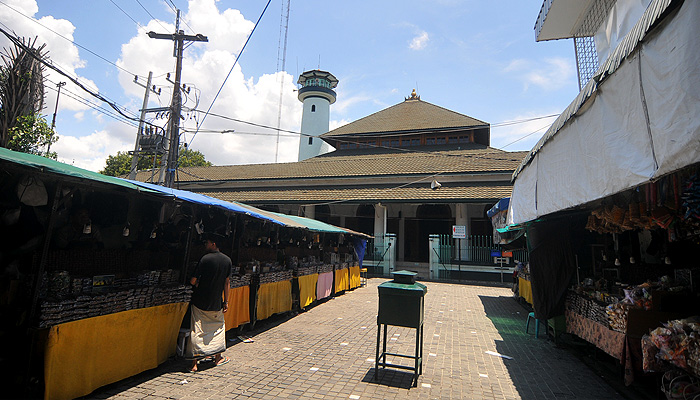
pixel 354 277
pixel 238 312
pixel 625 348
pixel 525 288
pixel 307 289
pixel 324 287
pixel 341 280
pixel 274 298
pixel 83 355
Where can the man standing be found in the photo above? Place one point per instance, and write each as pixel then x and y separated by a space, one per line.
pixel 210 280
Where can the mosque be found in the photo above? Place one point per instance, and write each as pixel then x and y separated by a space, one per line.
pixel 400 174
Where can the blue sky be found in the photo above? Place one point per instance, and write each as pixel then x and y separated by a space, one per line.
pixel 477 58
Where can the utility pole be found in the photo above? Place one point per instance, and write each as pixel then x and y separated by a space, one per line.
pixel 139 133
pixel 179 38
pixel 53 121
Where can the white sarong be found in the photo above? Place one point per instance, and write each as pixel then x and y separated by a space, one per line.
pixel 208 334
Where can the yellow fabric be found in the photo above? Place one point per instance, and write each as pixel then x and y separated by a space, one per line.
pixel 341 280
pixel 84 355
pixel 354 273
pixel 307 289
pixel 273 298
pixel 238 312
pixel 525 288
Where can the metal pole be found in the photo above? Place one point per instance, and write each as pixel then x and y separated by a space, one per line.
pixel 53 121
pixel 135 157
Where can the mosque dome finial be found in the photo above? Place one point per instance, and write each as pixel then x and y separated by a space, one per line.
pixel 413 96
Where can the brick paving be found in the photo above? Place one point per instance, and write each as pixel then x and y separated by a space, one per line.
pixel 328 351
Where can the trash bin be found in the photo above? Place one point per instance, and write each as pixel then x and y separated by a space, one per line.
pixel 401 303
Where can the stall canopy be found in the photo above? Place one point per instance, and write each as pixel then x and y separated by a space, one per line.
pixel 634 121
pixel 52 166
pixel 289 221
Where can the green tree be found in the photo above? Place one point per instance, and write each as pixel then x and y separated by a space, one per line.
pixel 32 134
pixel 22 99
pixel 120 164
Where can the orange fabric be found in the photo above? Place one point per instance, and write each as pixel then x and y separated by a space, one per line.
pixel 354 274
pixel 525 290
pixel 238 312
pixel 341 280
pixel 274 298
pixel 83 355
pixel 307 289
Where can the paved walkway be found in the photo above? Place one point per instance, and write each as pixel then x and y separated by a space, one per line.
pixel 328 352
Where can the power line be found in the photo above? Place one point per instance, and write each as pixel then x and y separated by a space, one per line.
pixel 20 44
pixel 65 38
pixel 231 70
pixel 151 15
pixel 127 14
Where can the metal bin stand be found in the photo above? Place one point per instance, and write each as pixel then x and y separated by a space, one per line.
pixel 401 303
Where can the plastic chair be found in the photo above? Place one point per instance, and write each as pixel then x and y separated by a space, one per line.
pixel 537 324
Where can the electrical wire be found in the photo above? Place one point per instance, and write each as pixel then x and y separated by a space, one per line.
pixel 19 43
pixel 65 38
pixel 231 70
pixel 127 14
pixel 151 15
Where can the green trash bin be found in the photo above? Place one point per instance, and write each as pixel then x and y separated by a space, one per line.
pixel 401 303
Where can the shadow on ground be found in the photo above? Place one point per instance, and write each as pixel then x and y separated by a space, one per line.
pixel 528 367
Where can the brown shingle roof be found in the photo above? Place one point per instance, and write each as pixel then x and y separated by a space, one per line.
pixel 474 160
pixel 410 115
pixel 448 192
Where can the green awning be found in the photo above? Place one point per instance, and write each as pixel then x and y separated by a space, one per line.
pixel 53 166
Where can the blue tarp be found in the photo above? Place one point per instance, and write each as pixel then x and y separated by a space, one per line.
pixel 206 200
pixel 501 205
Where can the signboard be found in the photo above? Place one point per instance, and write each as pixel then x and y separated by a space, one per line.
pixel 495 253
pixel 459 232
pixel 501 260
pixel 507 254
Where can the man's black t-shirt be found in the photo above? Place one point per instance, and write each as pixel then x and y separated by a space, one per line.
pixel 211 273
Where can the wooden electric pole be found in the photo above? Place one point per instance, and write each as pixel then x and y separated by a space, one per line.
pixel 179 38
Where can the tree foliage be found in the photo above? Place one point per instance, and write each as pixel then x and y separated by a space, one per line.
pixel 22 98
pixel 32 134
pixel 120 164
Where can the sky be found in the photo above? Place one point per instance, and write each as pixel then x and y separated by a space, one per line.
pixel 477 58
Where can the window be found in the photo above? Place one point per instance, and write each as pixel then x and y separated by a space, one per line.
pixel 429 141
pixel 441 140
pixel 415 142
pixel 313 108
pixel 311 140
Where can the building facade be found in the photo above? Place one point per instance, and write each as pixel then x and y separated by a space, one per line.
pixel 408 171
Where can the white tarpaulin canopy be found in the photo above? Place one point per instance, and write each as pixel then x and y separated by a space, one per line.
pixel 635 121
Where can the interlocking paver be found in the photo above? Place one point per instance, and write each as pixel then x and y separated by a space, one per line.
pixel 328 351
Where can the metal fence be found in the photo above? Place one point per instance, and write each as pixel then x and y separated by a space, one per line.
pixel 476 249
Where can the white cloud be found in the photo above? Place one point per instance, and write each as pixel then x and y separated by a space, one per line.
pixel 62 52
pixel 89 152
pixel 548 74
pixel 524 135
pixel 420 41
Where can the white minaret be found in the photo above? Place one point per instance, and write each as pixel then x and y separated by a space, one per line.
pixel 316 92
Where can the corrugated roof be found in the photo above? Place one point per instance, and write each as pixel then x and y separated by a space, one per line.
pixel 476 159
pixel 653 14
pixel 410 115
pixel 419 192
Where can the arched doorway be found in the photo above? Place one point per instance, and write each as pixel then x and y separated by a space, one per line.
pixel 430 218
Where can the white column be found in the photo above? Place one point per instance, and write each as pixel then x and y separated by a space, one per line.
pixel 379 222
pixel 462 218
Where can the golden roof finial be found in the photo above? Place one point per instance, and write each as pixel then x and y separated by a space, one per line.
pixel 413 96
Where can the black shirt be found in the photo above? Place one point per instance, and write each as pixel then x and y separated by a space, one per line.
pixel 211 274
